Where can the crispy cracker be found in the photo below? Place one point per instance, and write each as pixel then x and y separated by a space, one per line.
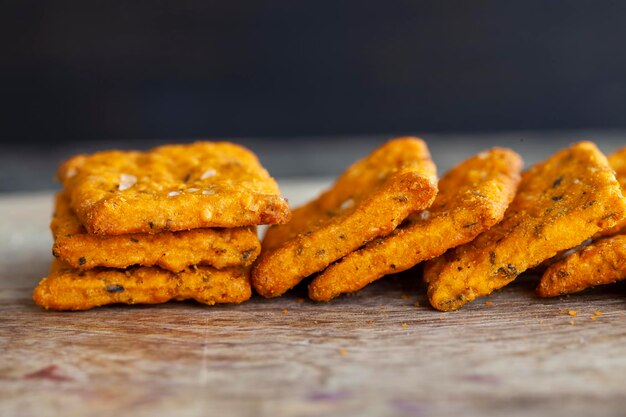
pixel 559 204
pixel 369 200
pixel 601 262
pixel 66 288
pixel 172 188
pixel 472 197
pixel 617 160
pixel 174 251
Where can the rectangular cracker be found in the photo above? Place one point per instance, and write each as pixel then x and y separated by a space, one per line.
pixel 559 204
pixel 174 251
pixel 599 263
pixel 369 200
pixel 472 197
pixel 172 188
pixel 66 288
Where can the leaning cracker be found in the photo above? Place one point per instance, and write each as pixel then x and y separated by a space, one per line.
pixel 174 251
pixel 559 204
pixel 472 197
pixel 617 160
pixel 172 188
pixel 69 289
pixel 601 262
pixel 369 200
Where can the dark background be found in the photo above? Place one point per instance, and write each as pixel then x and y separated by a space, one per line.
pixel 309 86
pixel 95 70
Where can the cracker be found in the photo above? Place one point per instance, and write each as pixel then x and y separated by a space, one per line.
pixel 599 263
pixel 66 288
pixel 617 160
pixel 369 200
pixel 559 204
pixel 472 197
pixel 174 251
pixel 172 188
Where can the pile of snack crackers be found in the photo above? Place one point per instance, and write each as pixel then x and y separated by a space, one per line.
pixel 178 222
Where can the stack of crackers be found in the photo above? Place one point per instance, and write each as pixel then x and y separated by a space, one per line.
pixel 177 222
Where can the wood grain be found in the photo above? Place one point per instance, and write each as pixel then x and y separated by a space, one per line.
pixel 373 353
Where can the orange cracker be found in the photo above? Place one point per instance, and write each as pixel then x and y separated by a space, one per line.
pixel 172 188
pixel 69 289
pixel 617 160
pixel 601 262
pixel 369 200
pixel 559 204
pixel 174 251
pixel 472 197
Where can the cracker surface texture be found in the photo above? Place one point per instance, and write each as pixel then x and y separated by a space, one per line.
pixel 66 288
pixel 174 251
pixel 599 263
pixel 172 188
pixel 369 200
pixel 617 160
pixel 472 197
pixel 559 204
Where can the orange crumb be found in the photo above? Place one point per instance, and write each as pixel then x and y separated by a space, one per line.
pixel 417 304
pixel 285 311
pixel 343 352
pixel 405 296
pixel 572 313
pixel 370 321
pixel 299 300
pixel 489 303
pixel 404 325
pixel 572 322
pixel 594 318
pixel 597 313
pixel 440 317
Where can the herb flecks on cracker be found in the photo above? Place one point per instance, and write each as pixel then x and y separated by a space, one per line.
pixel 535 227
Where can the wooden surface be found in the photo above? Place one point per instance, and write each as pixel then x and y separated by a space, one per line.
pixel 374 353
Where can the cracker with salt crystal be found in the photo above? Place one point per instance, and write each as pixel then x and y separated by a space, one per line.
pixel 172 188
pixel 369 200
pixel 472 197
pixel 66 288
pixel 559 204
pixel 174 251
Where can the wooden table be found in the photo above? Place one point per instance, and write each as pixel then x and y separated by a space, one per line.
pixel 381 352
